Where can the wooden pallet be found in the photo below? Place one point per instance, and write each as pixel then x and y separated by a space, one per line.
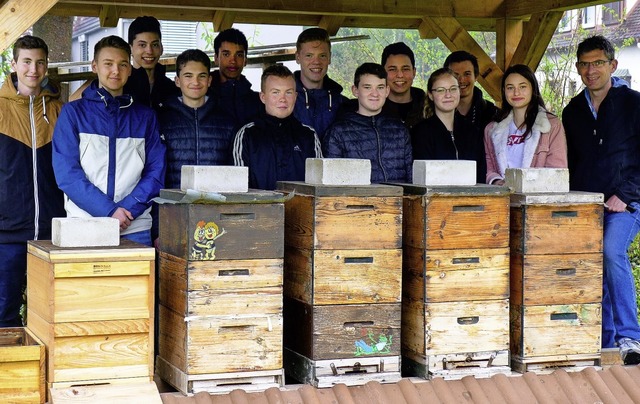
pixel 145 392
pixel 456 365
pixel 218 383
pixel 350 371
pixel 547 364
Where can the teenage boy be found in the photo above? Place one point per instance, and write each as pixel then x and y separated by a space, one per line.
pixel 319 97
pixel 276 145
pixel 405 101
pixel 602 124
pixel 194 131
pixel 229 87
pixel 107 154
pixel 29 196
pixel 473 107
pixel 369 134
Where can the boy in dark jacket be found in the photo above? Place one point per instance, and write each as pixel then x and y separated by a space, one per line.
pixel 193 129
pixel 369 134
pixel 276 145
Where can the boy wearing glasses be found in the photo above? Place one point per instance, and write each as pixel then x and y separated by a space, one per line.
pixel 602 124
pixel 369 134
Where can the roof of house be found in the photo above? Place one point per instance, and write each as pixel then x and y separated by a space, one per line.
pixel 616 384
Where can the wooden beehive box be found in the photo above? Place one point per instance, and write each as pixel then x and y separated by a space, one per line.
pixel 93 308
pixel 321 332
pixel 22 361
pixel 242 226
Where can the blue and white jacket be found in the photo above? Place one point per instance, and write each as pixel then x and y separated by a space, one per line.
pixel 107 154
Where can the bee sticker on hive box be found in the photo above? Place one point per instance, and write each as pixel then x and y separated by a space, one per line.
pixel 204 237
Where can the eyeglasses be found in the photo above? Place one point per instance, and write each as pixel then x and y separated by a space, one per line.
pixel 595 63
pixel 442 90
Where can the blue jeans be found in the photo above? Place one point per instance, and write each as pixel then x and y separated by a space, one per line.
pixel 141 237
pixel 13 270
pixel 619 307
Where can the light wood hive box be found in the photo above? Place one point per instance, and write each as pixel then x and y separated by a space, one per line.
pixel 22 362
pixel 556 274
pixel 93 308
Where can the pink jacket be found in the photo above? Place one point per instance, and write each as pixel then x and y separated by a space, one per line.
pixel 545 146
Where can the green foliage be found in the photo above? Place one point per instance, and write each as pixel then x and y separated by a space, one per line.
pixel 634 256
pixel 208 35
pixel 5 64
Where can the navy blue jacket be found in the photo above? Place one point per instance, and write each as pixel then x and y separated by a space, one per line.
pixel 318 108
pixel 235 98
pixel 382 139
pixel 201 136
pixel 604 153
pixel 275 150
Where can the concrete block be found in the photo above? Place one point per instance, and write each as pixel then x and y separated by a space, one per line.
pixel 337 171
pixel 215 178
pixel 537 180
pixel 85 232
pixel 444 172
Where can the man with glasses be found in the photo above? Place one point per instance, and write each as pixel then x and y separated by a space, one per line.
pixel 602 124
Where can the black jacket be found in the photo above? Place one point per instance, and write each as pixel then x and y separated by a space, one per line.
pixel 275 150
pixel 379 138
pixel 604 154
pixel 431 140
pixel 201 136
pixel 318 108
pixel 481 113
pixel 235 98
pixel 163 88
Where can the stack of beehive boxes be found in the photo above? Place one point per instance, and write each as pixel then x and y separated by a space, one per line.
pixel 221 264
pixel 556 272
pixel 342 278
pixel 93 309
pixel 455 308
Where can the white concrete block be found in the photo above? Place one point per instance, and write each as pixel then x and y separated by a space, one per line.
pixel 215 178
pixel 337 171
pixel 444 172
pixel 537 180
pixel 85 232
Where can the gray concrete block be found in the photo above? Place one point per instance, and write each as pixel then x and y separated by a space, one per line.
pixel 444 172
pixel 85 232
pixel 215 178
pixel 337 171
pixel 537 180
pixel 572 197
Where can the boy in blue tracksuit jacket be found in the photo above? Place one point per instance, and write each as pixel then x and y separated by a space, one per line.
pixel 107 154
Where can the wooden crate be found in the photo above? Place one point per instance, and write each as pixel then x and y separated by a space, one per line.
pixel 445 275
pixel 556 279
pixel 456 366
pixel 93 308
pixel 330 277
pixel 22 362
pixel 221 287
pixel 552 330
pixel 350 371
pixel 222 343
pixel 108 393
pixel 446 218
pixel 243 226
pixel 343 217
pixel 218 383
pixel 342 331
pixel 556 228
pixel 454 327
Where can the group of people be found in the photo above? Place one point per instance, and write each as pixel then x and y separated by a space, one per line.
pixel 109 151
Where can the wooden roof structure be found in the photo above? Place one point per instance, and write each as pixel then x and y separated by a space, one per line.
pixel 523 27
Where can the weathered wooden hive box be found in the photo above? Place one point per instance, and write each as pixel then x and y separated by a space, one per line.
pixel 342 286
pixel 22 362
pixel 455 308
pixel 556 279
pixel 220 291
pixel 93 309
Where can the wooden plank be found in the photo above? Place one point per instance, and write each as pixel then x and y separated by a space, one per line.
pixel 126 251
pixel 379 190
pixel 331 23
pixel 93 269
pixel 223 20
pixel 556 279
pixel 298 274
pixel 508 35
pixel 549 364
pixel 299 222
pixel 17 16
pixel 109 16
pixel 40 281
pixel 145 392
pixel 536 37
pixel 457 366
pixel 413 327
pixel 22 361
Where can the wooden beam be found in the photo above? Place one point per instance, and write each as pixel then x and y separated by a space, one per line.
pixel 455 37
pixel 223 20
pixel 520 8
pixel 508 35
pixel 331 23
pixel 425 31
pixel 17 16
pixel 536 38
pixel 109 16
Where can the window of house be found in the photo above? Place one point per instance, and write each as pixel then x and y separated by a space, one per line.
pixel 612 13
pixel 589 17
pixel 84 53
